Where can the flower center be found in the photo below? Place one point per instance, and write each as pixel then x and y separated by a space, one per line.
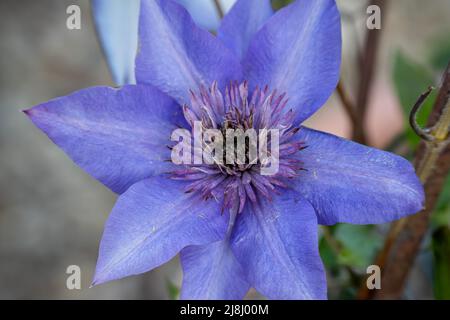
pixel 247 143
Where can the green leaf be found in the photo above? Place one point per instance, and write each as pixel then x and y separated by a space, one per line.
pixel 411 80
pixel 441 262
pixel 173 290
pixel 359 244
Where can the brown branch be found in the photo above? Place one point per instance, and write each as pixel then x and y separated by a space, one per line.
pixel 346 103
pixel 219 8
pixel 405 236
pixel 350 18
pixel 367 74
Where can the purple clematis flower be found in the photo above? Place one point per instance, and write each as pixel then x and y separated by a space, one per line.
pixel 233 227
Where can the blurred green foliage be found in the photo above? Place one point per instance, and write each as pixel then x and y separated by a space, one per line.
pixel 359 245
pixel 173 290
pixel 278 4
pixel 441 216
pixel 440 54
pixel 346 251
pixel 441 244
pixel 441 262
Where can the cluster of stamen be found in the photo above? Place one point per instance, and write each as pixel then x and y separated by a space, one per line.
pixel 235 184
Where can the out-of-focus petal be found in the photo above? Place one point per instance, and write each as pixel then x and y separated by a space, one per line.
pixel 118 136
pixel 212 272
pixel 175 55
pixel 116 22
pixel 242 22
pixel 150 223
pixel 352 183
pixel 277 246
pixel 205 13
pixel 298 51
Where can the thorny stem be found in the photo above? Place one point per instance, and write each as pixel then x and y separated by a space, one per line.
pixel 441 131
pixel 424 134
pixel 437 139
pixel 219 8
pixel 432 166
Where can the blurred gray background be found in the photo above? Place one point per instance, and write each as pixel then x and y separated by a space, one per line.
pixel 51 212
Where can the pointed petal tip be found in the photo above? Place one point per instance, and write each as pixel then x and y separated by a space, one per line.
pixel 374 186
pixel 317 34
pixel 32 113
pixel 100 278
pixel 138 239
pixel 96 281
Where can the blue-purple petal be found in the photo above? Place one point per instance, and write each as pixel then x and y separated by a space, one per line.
pixel 211 272
pixel 116 22
pixel 239 26
pixel 351 183
pixel 277 246
pixel 150 223
pixel 118 136
pixel 176 56
pixel 298 51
